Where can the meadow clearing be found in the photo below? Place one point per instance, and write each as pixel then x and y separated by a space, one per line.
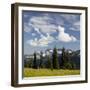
pixel 29 72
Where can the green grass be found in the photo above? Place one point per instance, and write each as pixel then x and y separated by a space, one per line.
pixel 28 72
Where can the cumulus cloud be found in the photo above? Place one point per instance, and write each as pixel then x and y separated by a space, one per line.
pixel 43 24
pixel 43 41
pixel 46 24
pixel 64 37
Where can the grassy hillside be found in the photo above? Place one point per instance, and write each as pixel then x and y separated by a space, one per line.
pixel 28 72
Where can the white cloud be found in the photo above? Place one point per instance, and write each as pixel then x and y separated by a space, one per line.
pixel 40 20
pixel 27 28
pixel 43 41
pixel 37 30
pixel 42 23
pixel 25 15
pixel 42 26
pixel 69 17
pixel 77 23
pixel 64 37
pixel 73 38
pixel 72 20
pixel 45 23
pixel 76 26
pixel 33 42
pixel 33 34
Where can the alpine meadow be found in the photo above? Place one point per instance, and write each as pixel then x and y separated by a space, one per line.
pixel 51 44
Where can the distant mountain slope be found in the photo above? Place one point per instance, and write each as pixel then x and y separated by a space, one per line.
pixel 74 57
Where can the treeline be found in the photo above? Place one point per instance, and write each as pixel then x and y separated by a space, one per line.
pixel 51 62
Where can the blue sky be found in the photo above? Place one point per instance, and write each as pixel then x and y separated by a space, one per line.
pixel 43 30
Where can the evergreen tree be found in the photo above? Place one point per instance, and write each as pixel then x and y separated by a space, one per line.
pixel 35 61
pixel 69 63
pixel 49 63
pixel 55 59
pixel 41 60
pixel 66 62
pixel 73 66
pixel 63 58
pixel 30 63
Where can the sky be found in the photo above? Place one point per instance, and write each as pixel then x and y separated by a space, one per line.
pixel 46 30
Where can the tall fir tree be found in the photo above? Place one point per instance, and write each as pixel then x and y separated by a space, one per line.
pixel 49 62
pixel 66 62
pixel 41 60
pixel 63 58
pixel 70 65
pixel 55 59
pixel 35 61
